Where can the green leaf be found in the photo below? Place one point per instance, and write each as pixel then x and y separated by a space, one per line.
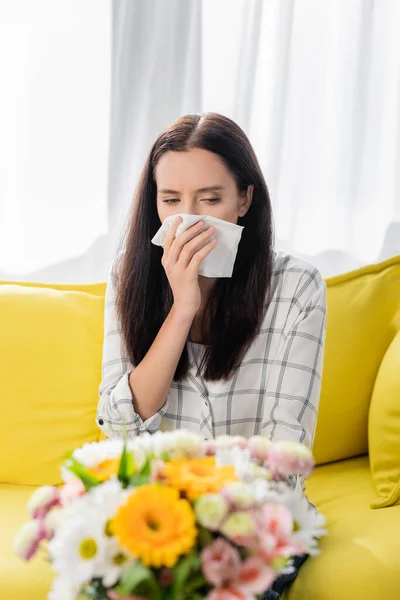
pixel 94 590
pixel 137 480
pixel 205 537
pixel 126 467
pixel 136 575
pixel 149 589
pixel 146 469
pixel 88 480
pixel 195 582
pixel 182 570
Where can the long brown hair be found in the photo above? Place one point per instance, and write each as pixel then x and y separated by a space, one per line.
pixel 236 305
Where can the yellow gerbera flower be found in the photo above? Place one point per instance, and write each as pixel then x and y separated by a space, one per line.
pixel 198 476
pixel 106 469
pixel 155 525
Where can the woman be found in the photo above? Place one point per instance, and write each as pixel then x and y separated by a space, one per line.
pixel 240 355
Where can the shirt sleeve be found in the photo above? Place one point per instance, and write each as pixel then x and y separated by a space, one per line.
pixel 115 413
pixel 294 382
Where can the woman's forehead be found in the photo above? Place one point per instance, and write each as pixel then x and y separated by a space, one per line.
pixel 193 169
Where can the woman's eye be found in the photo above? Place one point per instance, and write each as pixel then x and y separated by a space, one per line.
pixel 212 200
pixel 174 200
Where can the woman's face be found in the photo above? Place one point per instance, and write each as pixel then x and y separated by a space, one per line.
pixel 197 182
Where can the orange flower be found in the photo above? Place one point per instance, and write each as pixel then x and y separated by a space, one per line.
pixel 198 476
pixel 155 525
pixel 106 469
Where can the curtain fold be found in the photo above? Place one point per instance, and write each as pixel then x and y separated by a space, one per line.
pixel 156 79
pixel 54 109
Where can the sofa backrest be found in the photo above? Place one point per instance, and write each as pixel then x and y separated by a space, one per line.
pixel 50 369
pixel 363 317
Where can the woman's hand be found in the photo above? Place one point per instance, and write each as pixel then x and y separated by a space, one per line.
pixel 181 261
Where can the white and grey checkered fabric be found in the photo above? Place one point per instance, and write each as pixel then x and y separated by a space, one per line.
pixel 275 391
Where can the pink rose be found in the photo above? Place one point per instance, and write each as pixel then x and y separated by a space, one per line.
pixel 43 500
pixel 220 562
pixel 27 540
pixel 259 447
pixel 275 530
pixel 253 577
pixel 289 458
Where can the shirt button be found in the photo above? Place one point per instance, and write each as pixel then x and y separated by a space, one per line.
pixel 101 422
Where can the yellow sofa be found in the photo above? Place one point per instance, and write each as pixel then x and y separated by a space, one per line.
pixel 50 357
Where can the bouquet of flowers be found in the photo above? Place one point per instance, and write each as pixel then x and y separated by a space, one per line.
pixel 173 516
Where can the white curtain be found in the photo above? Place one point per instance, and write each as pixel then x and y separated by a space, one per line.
pixel 55 60
pixel 314 83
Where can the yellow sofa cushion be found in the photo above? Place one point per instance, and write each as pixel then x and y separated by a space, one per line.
pixel 384 428
pixel 19 579
pixel 360 326
pixel 50 357
pixel 360 556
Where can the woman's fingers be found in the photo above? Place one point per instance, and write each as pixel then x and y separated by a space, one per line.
pixel 182 239
pixel 169 238
pixel 199 256
pixel 194 246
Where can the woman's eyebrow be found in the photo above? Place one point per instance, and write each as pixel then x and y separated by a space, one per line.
pixel 210 188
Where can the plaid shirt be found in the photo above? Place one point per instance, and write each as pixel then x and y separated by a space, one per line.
pixel 274 392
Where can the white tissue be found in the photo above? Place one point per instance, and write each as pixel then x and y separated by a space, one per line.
pixel 221 260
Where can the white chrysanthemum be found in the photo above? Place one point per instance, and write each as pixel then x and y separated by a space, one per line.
pixel 238 457
pixel 99 506
pixel 177 444
pixel 93 453
pixel 309 522
pixel 77 549
pixel 115 562
pixel 263 492
pixel 63 590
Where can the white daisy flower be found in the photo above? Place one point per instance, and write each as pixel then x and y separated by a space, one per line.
pixel 103 500
pixel 63 590
pixel 78 547
pixel 115 562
